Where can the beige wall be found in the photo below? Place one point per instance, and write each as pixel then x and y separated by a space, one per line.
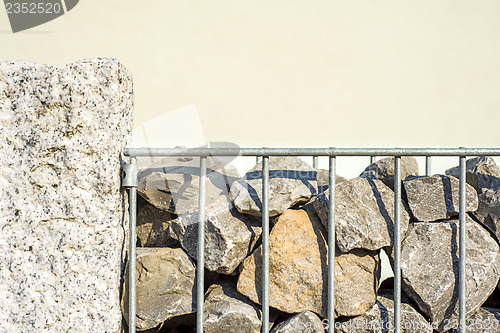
pixel 295 73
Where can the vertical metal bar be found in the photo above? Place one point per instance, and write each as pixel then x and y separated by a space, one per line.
pixel 397 244
pixel 372 159
pixel 265 244
pixel 331 247
pixel 428 166
pixel 315 162
pixel 200 276
pixel 132 255
pixel 461 286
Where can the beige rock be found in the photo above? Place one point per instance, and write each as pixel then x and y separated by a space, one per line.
pixel 437 197
pixel 165 286
pixel 364 214
pixel 291 181
pixel 227 311
pixel 481 173
pixel 429 268
pixel 152 225
pixel 298 273
pixel 380 319
pixel 384 169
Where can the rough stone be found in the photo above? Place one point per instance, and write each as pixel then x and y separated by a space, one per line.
pixel 291 181
pixel 298 273
pixel 384 169
pixel 305 321
pixel 323 179
pixel 227 311
pixel 364 214
pixel 229 235
pixel 436 197
pixel 172 184
pixel 488 211
pixel 429 268
pixel 152 225
pixel 481 173
pixel 165 286
pixel 380 319
pixel 62 130
pixel 485 320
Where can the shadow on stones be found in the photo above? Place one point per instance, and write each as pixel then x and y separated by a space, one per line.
pixel 448 194
pixel 454 256
pixel 384 318
pixel 320 232
pixel 382 209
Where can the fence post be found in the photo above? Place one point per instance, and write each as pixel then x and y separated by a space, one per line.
pixel 130 182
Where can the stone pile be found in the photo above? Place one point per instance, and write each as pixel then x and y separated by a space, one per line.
pixel 298 247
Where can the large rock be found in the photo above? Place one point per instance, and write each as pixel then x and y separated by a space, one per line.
pixel 305 321
pixel 380 319
pixel 172 184
pixel 227 311
pixel 364 214
pixel 323 179
pixel 437 197
pixel 429 268
pixel 298 272
pixel 485 320
pixel 481 173
pixel 62 211
pixel 229 235
pixel 152 225
pixel 384 169
pixel 165 286
pixel 488 212
pixel 291 181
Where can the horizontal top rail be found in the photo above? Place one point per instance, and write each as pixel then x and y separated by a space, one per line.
pixel 135 152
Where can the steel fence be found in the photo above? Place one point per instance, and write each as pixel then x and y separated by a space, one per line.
pixel 130 181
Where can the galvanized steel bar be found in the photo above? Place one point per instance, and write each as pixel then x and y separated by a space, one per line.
pixel 265 244
pixel 331 247
pixel 397 244
pixel 428 166
pixel 200 276
pixel 372 159
pixel 315 162
pixel 462 258
pixel 132 186
pixel 312 151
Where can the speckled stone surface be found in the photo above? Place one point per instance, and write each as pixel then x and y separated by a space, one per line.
pixel 62 130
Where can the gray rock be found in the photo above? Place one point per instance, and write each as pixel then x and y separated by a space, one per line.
pixel 364 214
pixel 227 311
pixel 429 268
pixel 62 129
pixel 165 286
pixel 384 169
pixel 323 179
pixel 436 197
pixel 481 173
pixel 485 320
pixel 174 185
pixel 305 321
pixel 229 235
pixel 488 212
pixel 291 181
pixel 298 274
pixel 152 225
pixel 380 319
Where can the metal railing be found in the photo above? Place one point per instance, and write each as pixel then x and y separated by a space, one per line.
pixel 130 181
